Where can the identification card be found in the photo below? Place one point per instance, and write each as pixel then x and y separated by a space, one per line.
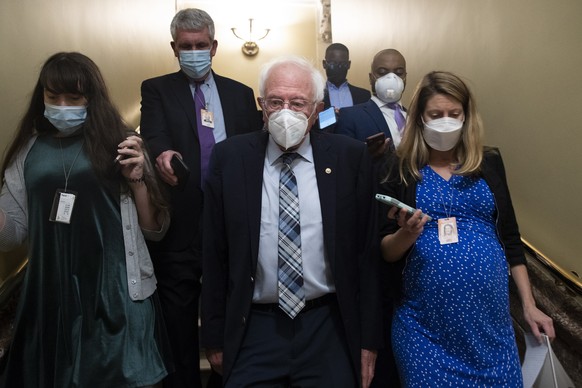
pixel 62 208
pixel 448 233
pixel 207 118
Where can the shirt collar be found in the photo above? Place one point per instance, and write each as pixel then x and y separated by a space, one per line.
pixel 332 86
pixel 209 80
pixel 382 104
pixel 304 150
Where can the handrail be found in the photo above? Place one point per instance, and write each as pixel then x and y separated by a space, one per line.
pixel 11 283
pixel 569 278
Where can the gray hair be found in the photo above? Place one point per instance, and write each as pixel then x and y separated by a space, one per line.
pixel 192 19
pixel 317 80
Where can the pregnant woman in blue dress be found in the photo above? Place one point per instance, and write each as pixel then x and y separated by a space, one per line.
pixel 452 325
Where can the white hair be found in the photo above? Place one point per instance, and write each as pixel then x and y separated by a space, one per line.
pixel 317 80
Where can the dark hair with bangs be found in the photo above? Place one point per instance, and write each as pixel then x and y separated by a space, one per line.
pixel 104 128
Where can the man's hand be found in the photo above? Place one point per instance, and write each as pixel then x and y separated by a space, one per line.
pixel 214 357
pixel 165 168
pixel 378 150
pixel 368 366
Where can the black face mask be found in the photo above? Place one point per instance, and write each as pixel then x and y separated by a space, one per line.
pixel 336 73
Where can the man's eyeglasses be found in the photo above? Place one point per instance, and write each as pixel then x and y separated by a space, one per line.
pixel 337 65
pixel 296 104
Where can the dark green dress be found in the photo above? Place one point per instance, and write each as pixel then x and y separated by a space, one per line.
pixel 76 325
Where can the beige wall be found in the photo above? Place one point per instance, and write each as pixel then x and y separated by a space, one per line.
pixel 523 61
pixel 293 26
pixel 130 41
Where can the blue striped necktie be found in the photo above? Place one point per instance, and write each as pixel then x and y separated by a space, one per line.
pixel 290 272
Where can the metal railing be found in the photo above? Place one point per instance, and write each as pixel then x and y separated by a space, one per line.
pixel 569 278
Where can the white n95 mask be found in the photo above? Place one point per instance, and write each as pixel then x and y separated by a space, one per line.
pixel 287 127
pixel 389 88
pixel 442 134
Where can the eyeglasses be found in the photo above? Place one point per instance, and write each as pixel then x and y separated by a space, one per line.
pixel 296 104
pixel 337 65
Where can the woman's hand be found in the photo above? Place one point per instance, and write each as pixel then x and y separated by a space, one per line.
pixel 413 224
pixel 539 323
pixel 131 158
pixel 394 246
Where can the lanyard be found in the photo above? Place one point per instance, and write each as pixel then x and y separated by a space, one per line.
pixel 68 173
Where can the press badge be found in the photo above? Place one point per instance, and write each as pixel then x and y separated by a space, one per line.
pixel 63 206
pixel 448 230
pixel 207 118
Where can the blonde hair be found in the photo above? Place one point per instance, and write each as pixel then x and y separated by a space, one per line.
pixel 413 151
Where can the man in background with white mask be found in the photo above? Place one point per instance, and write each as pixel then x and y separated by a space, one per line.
pixel 290 294
pixel 185 114
pixel 383 112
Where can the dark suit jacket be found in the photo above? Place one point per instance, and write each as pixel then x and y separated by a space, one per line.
pixel 168 122
pixel 359 95
pixel 361 121
pixel 232 216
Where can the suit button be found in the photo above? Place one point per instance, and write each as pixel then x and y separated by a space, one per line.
pixel 252 279
pixel 244 321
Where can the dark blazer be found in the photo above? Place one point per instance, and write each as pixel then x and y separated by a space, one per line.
pixel 232 217
pixel 359 95
pixel 361 121
pixel 168 122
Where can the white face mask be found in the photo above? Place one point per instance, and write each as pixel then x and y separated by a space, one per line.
pixel 195 63
pixel 389 88
pixel 442 134
pixel 287 127
pixel 67 119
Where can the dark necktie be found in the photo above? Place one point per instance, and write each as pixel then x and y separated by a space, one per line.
pixel 398 116
pixel 290 272
pixel 205 135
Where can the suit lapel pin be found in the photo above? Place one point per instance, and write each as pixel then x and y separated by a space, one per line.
pixel 328 170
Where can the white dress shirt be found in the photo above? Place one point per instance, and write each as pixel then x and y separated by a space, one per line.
pixel 388 114
pixel 213 105
pixel 317 277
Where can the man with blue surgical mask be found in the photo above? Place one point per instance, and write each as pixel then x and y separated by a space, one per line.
pixel 383 114
pixel 183 115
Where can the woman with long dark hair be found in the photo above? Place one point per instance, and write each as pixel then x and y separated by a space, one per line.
pixel 80 191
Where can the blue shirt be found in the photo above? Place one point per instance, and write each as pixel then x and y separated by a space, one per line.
pixel 339 97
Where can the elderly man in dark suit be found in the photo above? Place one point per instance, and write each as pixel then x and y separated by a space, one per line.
pixel 185 114
pixel 290 294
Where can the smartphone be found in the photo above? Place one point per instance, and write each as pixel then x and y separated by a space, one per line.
pixel 400 205
pixel 181 171
pixel 327 118
pixel 377 139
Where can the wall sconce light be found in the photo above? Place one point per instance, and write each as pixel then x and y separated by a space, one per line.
pixel 250 47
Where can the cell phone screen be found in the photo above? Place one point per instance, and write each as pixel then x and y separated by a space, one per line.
pixel 376 139
pixel 327 118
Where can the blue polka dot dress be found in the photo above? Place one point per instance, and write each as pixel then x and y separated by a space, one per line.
pixel 453 328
